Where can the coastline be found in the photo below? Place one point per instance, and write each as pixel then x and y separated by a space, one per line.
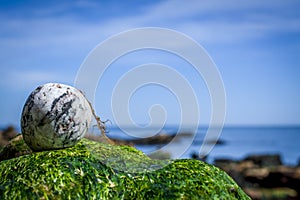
pixel 262 175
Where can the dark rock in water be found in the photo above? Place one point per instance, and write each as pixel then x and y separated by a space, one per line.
pixel 220 142
pixel 154 140
pixel 159 139
pixel 216 142
pixel 265 160
pixel 183 134
pixel 224 161
pixel 93 170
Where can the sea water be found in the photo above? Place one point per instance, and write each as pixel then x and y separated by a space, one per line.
pixel 237 143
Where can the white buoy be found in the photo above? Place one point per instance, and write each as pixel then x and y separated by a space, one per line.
pixel 55 116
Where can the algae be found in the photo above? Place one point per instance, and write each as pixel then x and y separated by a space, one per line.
pixel 93 170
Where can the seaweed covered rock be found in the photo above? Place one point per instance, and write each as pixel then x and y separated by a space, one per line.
pixel 15 148
pixel 92 170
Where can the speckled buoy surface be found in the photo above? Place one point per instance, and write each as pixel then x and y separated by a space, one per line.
pixel 55 116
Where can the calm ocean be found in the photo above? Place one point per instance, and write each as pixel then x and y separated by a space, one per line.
pixel 238 143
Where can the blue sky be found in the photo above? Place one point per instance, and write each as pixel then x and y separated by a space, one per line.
pixel 255 45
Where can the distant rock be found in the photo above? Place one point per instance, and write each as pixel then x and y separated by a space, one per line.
pixel 154 140
pixel 265 160
pixel 216 142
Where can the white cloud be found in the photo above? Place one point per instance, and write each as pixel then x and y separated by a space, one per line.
pixel 209 21
pixel 59 38
pixel 227 21
pixel 29 79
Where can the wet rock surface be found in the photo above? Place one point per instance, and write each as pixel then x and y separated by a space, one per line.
pixel 264 176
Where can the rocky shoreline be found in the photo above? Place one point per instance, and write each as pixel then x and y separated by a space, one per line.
pixel 260 176
pixel 98 170
pixel 264 176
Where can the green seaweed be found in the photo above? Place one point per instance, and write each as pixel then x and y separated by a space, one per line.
pixel 93 170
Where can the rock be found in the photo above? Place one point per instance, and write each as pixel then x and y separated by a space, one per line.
pixel 263 176
pixel 6 135
pixel 157 139
pixel 257 174
pixel 160 138
pixel 265 160
pixel 274 194
pixel 209 142
pixel 55 116
pixel 15 148
pixel 281 176
pixel 93 170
